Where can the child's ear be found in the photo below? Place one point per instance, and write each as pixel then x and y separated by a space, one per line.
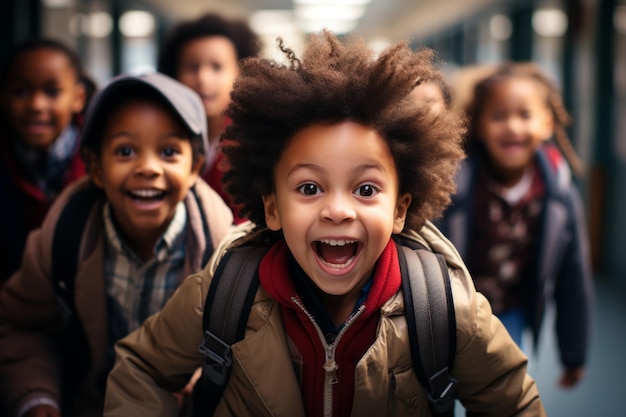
pixel 94 167
pixel 272 218
pixel 79 99
pixel 402 207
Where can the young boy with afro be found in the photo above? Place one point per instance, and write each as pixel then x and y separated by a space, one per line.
pixel 332 160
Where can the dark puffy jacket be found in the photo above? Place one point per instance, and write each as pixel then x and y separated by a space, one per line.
pixel 562 266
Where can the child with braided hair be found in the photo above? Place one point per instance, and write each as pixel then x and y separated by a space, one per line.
pixel 517 217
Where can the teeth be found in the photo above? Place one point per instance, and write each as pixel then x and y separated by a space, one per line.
pixel 146 193
pixel 337 242
pixel 338 266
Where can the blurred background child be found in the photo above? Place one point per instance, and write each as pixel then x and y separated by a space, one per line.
pixel 517 217
pixel 435 93
pixel 204 54
pixel 43 91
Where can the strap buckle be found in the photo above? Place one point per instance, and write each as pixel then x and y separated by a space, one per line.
pixel 442 394
pixel 218 358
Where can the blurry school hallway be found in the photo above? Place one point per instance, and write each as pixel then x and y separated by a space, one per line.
pixel 601 392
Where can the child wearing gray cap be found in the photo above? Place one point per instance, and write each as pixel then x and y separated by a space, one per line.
pixel 112 249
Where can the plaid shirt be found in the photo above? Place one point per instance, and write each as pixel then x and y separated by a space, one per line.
pixel 137 289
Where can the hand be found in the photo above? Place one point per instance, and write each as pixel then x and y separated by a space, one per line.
pixel 43 411
pixel 571 377
pixel 184 396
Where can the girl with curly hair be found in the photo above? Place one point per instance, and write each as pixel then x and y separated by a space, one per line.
pixel 517 216
pixel 334 162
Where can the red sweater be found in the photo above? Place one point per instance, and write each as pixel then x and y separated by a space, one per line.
pixel 213 176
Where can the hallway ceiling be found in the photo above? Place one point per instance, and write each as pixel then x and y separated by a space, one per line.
pixel 389 19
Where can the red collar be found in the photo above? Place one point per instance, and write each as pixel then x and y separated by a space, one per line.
pixel 275 278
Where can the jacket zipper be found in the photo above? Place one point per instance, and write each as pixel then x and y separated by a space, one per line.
pixel 330 366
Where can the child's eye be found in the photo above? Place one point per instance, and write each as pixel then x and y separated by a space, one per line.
pixel 124 151
pixel 53 92
pixel 367 190
pixel 170 152
pixel 192 68
pixel 20 92
pixel 497 116
pixel 309 189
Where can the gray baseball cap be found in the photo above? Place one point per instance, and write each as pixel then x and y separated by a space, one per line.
pixel 181 99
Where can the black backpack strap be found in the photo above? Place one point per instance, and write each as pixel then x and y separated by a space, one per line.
pixel 224 320
pixel 67 237
pixel 68 234
pixel 431 324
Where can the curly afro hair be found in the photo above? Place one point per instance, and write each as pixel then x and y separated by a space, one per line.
pixel 338 81
pixel 246 42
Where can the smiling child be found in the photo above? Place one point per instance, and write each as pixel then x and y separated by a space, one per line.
pixel 332 160
pixel 150 221
pixel 43 91
pixel 204 53
pixel 518 206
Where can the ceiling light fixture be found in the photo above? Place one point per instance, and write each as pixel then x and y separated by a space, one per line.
pixel 339 16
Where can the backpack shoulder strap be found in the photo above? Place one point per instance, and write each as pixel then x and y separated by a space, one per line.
pixel 431 324
pixel 67 237
pixel 68 233
pixel 224 320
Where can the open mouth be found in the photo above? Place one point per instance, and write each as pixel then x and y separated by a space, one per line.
pixel 514 143
pixel 35 125
pixel 336 254
pixel 147 194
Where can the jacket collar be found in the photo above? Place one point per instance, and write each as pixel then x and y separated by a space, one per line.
pixel 275 276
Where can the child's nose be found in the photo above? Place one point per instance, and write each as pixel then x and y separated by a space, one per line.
pixel 338 208
pixel 515 124
pixel 37 100
pixel 205 75
pixel 148 165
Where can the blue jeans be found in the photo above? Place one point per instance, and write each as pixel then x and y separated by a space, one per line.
pixel 515 322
